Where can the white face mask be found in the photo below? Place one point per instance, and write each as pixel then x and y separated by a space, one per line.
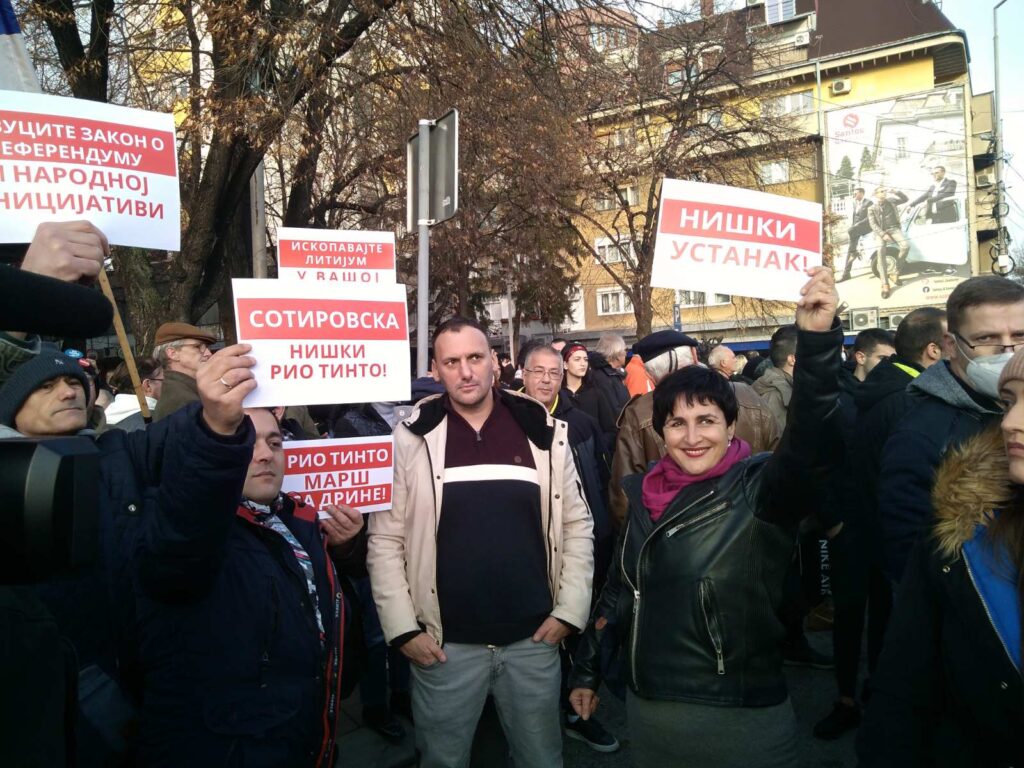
pixel 983 372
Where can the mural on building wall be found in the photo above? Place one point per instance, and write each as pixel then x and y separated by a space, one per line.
pixel 898 176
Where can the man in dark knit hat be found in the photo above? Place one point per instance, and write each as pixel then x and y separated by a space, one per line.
pixel 45 396
pixel 638 444
pixel 180 348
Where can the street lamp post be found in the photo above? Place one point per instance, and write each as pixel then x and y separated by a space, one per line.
pixel 997 129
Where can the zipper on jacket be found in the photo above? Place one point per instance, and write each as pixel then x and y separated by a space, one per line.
pixel 635 634
pixel 701 518
pixel 433 492
pixel 275 608
pixel 709 607
pixel 984 605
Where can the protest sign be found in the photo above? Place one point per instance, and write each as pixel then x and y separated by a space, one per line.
pixel 336 256
pixel 322 343
pixel 734 241
pixel 66 159
pixel 356 472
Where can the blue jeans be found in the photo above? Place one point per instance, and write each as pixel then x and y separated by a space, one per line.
pixel 523 678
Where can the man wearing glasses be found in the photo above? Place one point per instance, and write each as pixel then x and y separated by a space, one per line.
pixel 180 348
pixel 951 401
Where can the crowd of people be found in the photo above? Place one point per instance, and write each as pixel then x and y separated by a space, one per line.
pixel 643 522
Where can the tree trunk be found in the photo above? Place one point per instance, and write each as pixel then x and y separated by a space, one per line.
pixel 643 311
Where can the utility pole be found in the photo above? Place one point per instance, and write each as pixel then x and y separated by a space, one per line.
pixel 258 222
pixel 1003 258
pixel 423 222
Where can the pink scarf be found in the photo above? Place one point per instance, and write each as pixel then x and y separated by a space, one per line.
pixel 664 482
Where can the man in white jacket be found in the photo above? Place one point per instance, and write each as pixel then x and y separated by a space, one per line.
pixel 485 562
pixel 125 412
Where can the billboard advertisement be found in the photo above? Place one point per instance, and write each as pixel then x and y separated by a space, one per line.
pixel 898 178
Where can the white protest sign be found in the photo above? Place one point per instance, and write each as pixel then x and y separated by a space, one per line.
pixel 356 472
pixel 66 159
pixel 734 241
pixel 336 256
pixel 320 343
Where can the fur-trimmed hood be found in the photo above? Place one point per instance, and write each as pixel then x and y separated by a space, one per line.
pixel 972 481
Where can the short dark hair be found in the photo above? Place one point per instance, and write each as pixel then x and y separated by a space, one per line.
pixel 121 380
pixel 558 339
pixel 698 385
pixel 859 189
pixel 939 168
pixel 870 338
pixel 976 291
pixel 454 325
pixel 783 344
pixel 917 330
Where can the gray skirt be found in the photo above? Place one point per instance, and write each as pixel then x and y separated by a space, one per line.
pixel 673 734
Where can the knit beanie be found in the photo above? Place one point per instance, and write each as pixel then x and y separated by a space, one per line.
pixel 49 364
pixel 569 349
pixel 1013 369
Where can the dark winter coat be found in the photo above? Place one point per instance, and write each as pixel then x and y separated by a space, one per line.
pixel 593 465
pixel 235 671
pixel 589 399
pixel 943 415
pixel 699 589
pixel 946 692
pixel 611 382
pixel 881 401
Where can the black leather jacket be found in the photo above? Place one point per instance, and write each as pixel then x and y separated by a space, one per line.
pixel 693 597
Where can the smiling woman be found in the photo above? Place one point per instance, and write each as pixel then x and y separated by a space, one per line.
pixel 701 559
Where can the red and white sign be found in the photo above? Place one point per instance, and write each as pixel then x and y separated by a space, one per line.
pixel 356 472
pixel 729 240
pixel 66 159
pixel 321 343
pixel 336 256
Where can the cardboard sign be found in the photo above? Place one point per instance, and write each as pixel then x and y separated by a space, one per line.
pixel 356 472
pixel 734 241
pixel 68 159
pixel 336 256
pixel 320 343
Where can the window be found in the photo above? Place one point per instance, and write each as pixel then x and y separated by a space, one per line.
pixel 901 148
pixel 799 103
pixel 699 299
pixel 619 138
pixel 779 11
pixel 613 301
pixel 607 201
pixel 678 73
pixel 773 171
pixel 611 251
pixel 608 38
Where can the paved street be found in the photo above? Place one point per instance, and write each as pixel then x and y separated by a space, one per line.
pixel 812 692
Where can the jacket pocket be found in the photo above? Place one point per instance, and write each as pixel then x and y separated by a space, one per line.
pixel 712 620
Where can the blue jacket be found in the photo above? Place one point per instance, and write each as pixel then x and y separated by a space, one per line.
pixel 234 669
pixel 943 415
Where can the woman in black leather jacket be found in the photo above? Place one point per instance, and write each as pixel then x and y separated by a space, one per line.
pixel 701 560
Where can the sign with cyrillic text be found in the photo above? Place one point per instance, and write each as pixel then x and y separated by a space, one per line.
pixel 323 343
pixel 336 256
pixel 68 159
pixel 355 472
pixel 736 241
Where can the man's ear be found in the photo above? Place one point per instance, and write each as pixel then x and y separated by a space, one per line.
pixel 860 358
pixel 791 361
pixel 433 371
